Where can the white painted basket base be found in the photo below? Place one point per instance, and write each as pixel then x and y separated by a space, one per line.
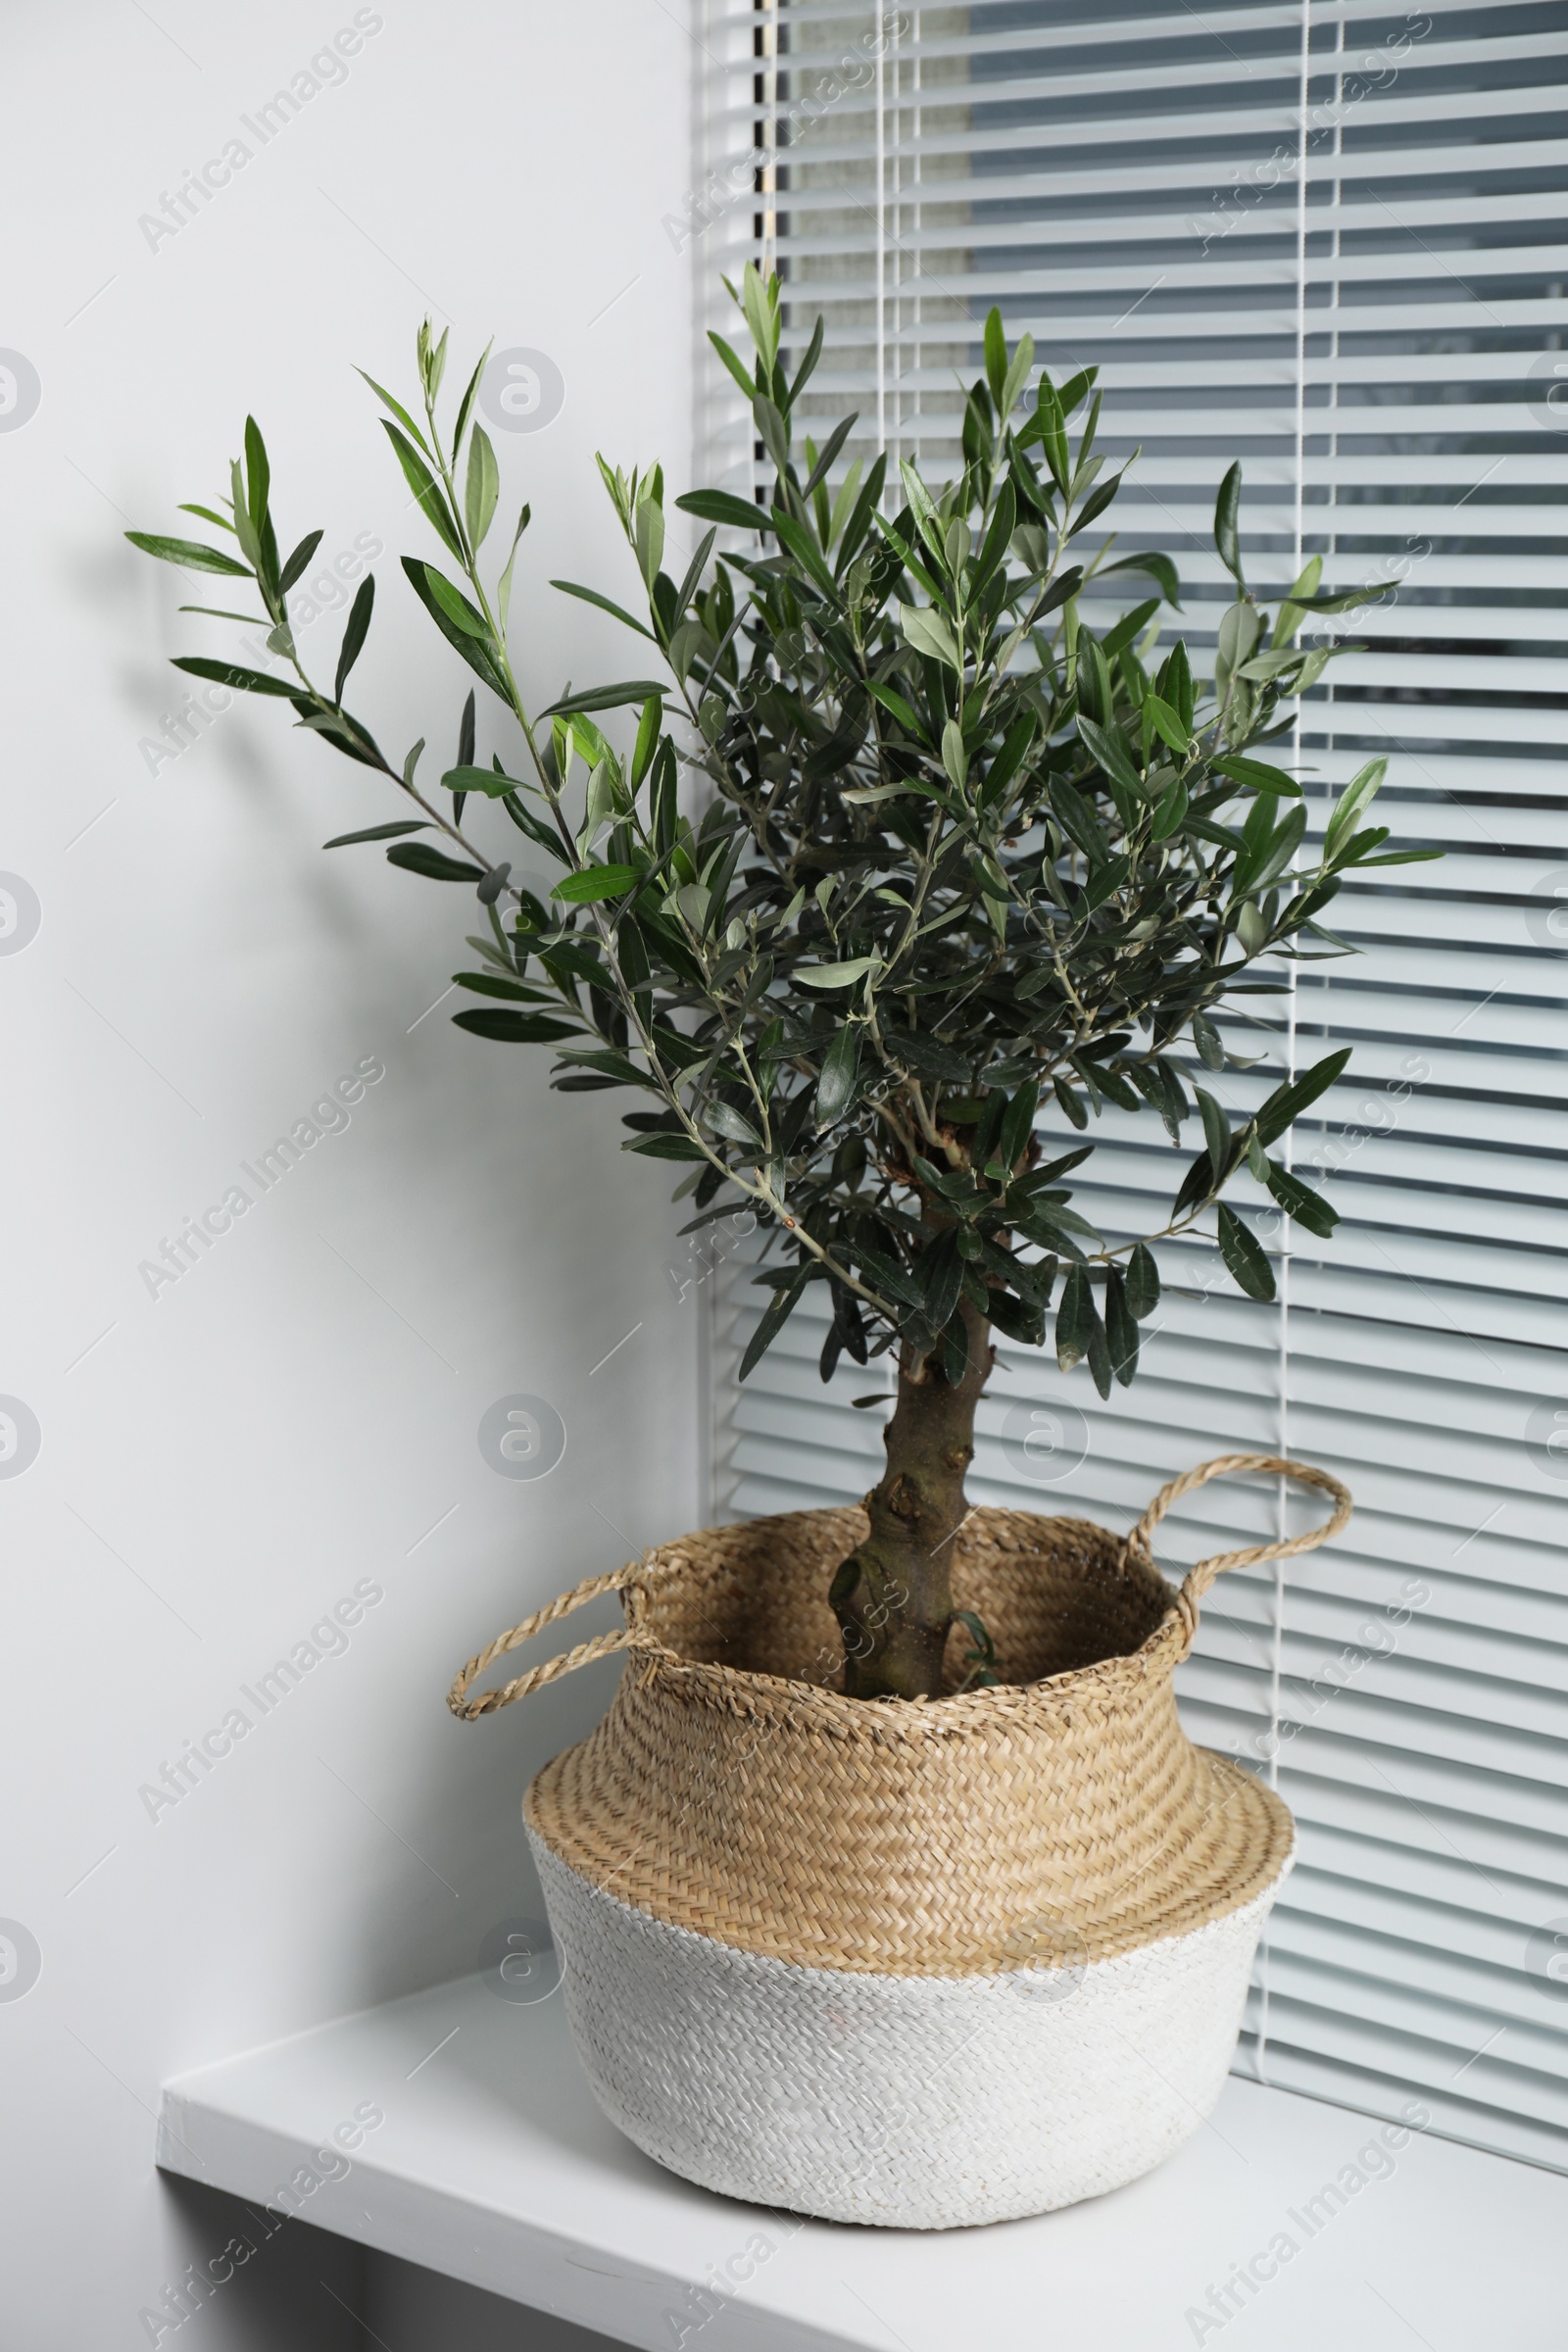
pixel 914 2102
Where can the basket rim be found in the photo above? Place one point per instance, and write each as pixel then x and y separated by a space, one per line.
pixel 752 1690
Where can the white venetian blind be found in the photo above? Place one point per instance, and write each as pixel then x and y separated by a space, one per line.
pixel 1333 241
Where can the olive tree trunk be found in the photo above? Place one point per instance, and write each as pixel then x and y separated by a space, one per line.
pixel 893 1597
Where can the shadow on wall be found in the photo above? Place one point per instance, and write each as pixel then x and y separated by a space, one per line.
pixel 301 2289
pixel 414 2310
pixel 279 2284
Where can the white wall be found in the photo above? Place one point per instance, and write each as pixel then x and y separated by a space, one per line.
pixel 222 1463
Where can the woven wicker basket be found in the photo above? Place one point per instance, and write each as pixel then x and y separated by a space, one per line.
pixel 920 1964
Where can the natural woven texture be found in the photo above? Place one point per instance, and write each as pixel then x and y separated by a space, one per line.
pixel 912 2103
pixel 524 1686
pixel 733 1791
pixel 1198 1580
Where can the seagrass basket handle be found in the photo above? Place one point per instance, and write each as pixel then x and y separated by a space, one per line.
pixel 603 1645
pixel 1198 1579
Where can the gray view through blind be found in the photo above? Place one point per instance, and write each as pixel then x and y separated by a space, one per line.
pixel 1332 241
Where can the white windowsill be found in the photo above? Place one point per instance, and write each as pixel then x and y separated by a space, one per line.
pixel 494 2166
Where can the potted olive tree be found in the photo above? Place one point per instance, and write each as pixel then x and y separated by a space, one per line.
pixel 896 874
